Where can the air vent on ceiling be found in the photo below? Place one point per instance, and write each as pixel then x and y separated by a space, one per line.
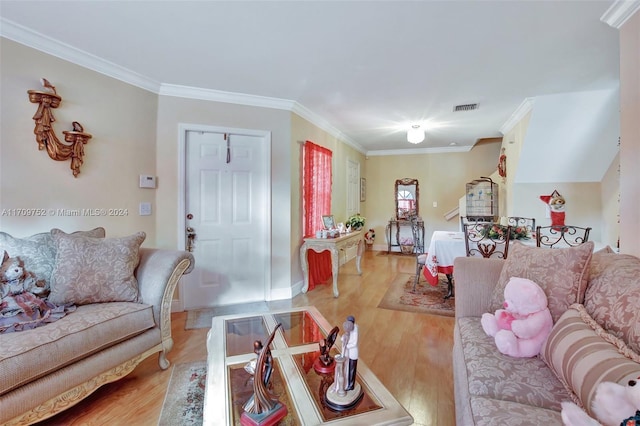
pixel 465 107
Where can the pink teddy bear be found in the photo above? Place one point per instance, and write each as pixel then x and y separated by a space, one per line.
pixel 520 329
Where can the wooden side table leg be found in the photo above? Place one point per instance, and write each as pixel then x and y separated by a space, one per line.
pixel 335 265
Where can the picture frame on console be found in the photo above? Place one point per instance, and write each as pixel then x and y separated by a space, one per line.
pixel 328 222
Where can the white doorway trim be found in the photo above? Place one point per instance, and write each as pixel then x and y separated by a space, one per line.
pixel 183 128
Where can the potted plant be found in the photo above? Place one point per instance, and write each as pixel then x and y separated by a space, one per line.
pixel 356 222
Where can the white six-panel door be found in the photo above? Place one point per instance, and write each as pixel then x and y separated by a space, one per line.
pixel 226 206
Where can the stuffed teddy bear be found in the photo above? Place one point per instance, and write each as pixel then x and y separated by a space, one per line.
pixel 14 279
pixel 369 236
pixel 520 329
pixel 613 405
pixel 19 288
pixel 556 204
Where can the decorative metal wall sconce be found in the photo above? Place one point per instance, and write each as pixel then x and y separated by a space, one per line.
pixel 45 134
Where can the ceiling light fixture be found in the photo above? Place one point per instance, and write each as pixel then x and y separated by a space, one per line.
pixel 415 134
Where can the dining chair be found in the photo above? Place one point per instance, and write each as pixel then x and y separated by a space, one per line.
pixel 556 236
pixel 465 220
pixel 527 222
pixel 487 239
pixel 418 241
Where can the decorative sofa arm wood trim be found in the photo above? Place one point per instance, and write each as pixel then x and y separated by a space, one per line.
pixel 165 314
pixel 73 396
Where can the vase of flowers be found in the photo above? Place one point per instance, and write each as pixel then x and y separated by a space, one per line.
pixel 496 231
pixel 356 222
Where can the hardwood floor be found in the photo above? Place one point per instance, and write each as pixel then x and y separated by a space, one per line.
pixel 410 353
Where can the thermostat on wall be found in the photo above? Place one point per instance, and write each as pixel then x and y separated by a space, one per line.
pixel 147 181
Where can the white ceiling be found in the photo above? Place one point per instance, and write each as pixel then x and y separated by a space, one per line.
pixel 364 69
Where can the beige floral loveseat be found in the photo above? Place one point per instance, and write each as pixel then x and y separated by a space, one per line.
pixel 119 298
pixel 594 300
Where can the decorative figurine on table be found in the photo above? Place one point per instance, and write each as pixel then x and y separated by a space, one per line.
pixel 263 408
pixel 250 367
pixel 346 392
pixel 324 363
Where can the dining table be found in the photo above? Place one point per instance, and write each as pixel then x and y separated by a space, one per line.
pixel 444 247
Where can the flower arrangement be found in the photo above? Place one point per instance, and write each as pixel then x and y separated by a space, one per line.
pixel 520 233
pixel 406 241
pixel 356 221
pixel 496 231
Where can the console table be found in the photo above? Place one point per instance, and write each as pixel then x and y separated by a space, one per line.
pixel 397 224
pixel 334 245
pixel 294 380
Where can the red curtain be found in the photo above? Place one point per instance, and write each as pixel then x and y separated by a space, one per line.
pixel 316 196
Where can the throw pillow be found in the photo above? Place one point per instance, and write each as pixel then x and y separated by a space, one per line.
pixel 94 270
pixel 613 294
pixel 604 250
pixel 582 354
pixel 38 251
pixel 562 273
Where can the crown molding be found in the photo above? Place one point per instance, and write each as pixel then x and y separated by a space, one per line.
pixel 522 110
pixel 38 41
pixel 436 150
pixel 257 101
pixel 225 97
pixel 619 12
pixel 323 124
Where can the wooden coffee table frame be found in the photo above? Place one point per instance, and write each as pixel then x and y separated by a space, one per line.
pixel 305 411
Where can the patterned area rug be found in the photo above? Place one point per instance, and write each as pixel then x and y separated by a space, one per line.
pixel 201 318
pixel 427 299
pixel 184 400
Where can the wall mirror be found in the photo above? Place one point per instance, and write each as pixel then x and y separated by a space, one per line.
pixel 406 196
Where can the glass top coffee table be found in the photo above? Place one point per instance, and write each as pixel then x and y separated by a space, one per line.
pixel 294 380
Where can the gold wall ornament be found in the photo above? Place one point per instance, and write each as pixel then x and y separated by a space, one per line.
pixel 45 134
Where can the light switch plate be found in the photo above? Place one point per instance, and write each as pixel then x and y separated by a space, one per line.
pixel 145 209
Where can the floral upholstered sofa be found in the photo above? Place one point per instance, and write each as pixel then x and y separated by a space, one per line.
pixel 116 298
pixel 593 299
